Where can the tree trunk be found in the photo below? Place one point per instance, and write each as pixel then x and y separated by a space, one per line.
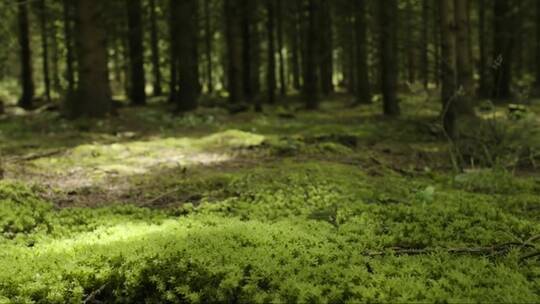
pixel 55 67
pixel 425 43
pixel 173 46
pixel 537 51
pixel 437 43
pixel 45 49
pixel 449 64
pixel 363 92
pixel 295 49
pixel 483 88
pixel 388 52
pixel 154 41
pixel 463 59
pixel 136 52
pixel 326 47
pixel 281 58
pixel 188 80
pixel 208 37
pixel 234 50
pixel 68 41
pixel 25 55
pixel 93 98
pixel 503 48
pixel 311 64
pixel 247 44
pixel 410 42
pixel 271 71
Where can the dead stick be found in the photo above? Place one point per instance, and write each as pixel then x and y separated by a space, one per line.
pixel 94 293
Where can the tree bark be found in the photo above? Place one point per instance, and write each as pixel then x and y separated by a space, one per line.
pixel 363 93
pixel 45 49
pixel 136 52
pixel 537 50
pixel 188 80
pixel 503 48
pixel 326 47
pixel 247 45
pixel 208 37
pixel 173 50
pixel 311 64
pixel 68 41
pixel 55 66
pixel 281 58
pixel 483 89
pixel 463 60
pixel 410 42
pixel 295 48
pixel 425 43
pixel 271 70
pixel 449 64
pixel 93 97
pixel 234 51
pixel 154 41
pixel 27 81
pixel 388 52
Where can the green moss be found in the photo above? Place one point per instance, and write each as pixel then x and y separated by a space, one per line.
pixel 137 157
pixel 292 229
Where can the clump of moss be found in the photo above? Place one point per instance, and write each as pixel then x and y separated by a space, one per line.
pixel 21 210
pixel 494 181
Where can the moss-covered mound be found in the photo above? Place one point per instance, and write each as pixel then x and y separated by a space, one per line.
pixel 285 232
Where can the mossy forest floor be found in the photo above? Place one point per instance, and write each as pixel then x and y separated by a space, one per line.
pixel 338 205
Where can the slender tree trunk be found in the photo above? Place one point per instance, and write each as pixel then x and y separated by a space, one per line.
pixel 503 48
pixel 326 47
pixel 256 56
pixel 68 40
pixel 173 46
pixel 464 61
pixel 234 50
pixel 449 64
pixel 154 41
pixel 537 50
pixel 389 57
pixel 26 57
pixel 188 80
pixel 45 49
pixel 311 77
pixel 411 43
pixel 363 94
pixel 271 71
pixel 482 68
pixel 295 50
pixel 247 44
pixel 136 52
pixel 351 56
pixel 93 98
pixel 208 35
pixel 281 57
pixel 57 87
pixel 437 42
pixel 425 42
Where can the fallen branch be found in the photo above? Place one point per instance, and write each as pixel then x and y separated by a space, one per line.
pixel 34 156
pixel 491 250
pixel 159 197
pixel 529 256
pixel 94 293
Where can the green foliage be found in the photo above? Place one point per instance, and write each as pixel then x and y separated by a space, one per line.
pixel 291 232
pixel 21 211
pixel 299 228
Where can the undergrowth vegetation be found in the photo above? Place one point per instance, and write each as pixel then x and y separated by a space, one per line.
pixel 326 208
pixel 305 234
